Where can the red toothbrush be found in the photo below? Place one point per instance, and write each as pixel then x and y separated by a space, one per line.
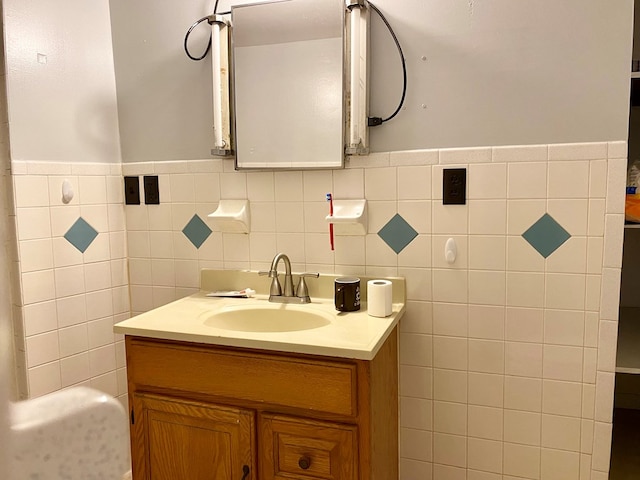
pixel 330 200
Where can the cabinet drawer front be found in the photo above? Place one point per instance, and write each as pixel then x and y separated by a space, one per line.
pixel 304 449
pixel 269 379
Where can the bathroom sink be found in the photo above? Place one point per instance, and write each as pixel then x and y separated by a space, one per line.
pixel 267 318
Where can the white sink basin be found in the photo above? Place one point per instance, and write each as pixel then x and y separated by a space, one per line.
pixel 267 318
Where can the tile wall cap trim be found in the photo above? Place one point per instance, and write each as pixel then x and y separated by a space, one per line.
pixel 610 291
pixel 522 153
pixel 465 155
pixel 578 151
pixel 613 240
pixel 414 157
pixel 48 168
pixel 509 153
pixel 180 166
pixel 617 149
pixel 91 168
pixel 19 167
pixel 138 168
pixel 616 183
pixel 24 167
pixel 228 166
pixel 214 165
pixel 445 156
pixel 379 159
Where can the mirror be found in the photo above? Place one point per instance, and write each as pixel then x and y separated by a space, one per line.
pixel 288 84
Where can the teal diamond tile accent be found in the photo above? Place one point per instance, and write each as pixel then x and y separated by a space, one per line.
pixel 196 231
pixel 397 233
pixel 546 235
pixel 81 234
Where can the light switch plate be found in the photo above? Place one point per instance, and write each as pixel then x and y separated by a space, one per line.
pixel 151 190
pixel 131 191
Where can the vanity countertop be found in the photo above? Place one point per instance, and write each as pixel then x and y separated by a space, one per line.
pixel 346 335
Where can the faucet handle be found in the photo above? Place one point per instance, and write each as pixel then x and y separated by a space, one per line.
pixel 268 273
pixel 302 291
pixel 276 288
pixel 309 274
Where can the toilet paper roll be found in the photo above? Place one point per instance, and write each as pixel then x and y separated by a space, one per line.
pixel 379 298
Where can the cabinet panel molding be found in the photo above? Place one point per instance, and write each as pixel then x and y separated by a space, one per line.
pixel 179 439
pixel 299 448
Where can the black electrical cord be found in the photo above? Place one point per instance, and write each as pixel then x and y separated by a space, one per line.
pixel 375 121
pixel 198 22
pixel 186 39
pixel 371 121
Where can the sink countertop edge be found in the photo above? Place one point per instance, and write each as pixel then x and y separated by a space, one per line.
pixel 261 340
pixel 353 335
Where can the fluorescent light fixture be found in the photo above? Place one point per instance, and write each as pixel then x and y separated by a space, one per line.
pixel 358 91
pixel 220 75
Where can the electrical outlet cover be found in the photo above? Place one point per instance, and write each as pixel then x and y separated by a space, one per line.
pixel 454 186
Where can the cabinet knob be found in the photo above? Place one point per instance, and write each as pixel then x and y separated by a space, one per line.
pixel 245 471
pixel 304 462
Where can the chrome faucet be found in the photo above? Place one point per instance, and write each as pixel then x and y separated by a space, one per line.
pixel 276 293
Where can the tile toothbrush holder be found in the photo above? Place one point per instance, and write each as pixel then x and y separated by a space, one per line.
pixel 232 216
pixel 349 217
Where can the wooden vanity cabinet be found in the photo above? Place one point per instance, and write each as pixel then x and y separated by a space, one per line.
pixel 204 412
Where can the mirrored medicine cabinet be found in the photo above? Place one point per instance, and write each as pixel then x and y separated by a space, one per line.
pixel 288 84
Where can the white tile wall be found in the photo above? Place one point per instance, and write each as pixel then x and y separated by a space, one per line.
pixel 70 300
pixel 505 358
pixel 499 351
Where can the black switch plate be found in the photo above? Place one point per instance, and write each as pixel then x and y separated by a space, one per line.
pixel 454 186
pixel 151 190
pixel 131 191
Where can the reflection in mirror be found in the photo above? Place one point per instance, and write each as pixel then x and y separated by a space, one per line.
pixel 288 84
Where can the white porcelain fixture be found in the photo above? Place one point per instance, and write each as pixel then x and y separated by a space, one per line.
pixel 349 217
pixel 232 216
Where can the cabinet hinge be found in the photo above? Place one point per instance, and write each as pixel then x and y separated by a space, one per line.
pixel 133 418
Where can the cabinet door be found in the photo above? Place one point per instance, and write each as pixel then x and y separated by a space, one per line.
pixel 293 448
pixel 182 440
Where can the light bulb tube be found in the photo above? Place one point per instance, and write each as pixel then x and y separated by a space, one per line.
pixel 356 133
pixel 222 145
pixel 217 86
pixel 354 76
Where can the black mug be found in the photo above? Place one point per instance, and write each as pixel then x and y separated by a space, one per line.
pixel 347 294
